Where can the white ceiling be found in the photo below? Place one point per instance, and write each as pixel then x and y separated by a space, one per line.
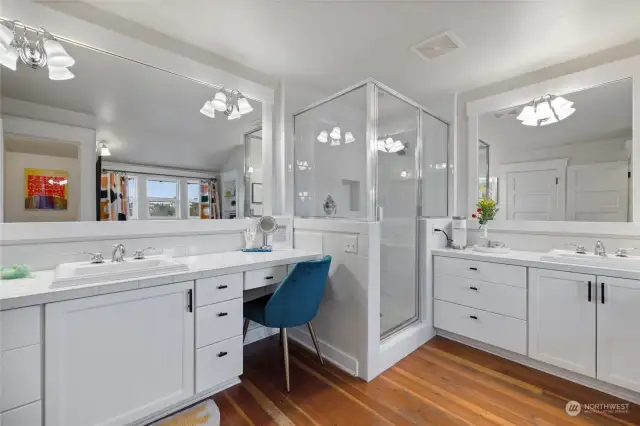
pixel 147 116
pixel 333 44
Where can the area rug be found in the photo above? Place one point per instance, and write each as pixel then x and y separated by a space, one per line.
pixel 204 414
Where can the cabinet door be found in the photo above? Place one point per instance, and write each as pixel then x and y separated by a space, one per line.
pixel 618 341
pixel 113 359
pixel 562 320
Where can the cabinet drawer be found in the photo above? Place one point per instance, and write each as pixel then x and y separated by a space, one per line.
pixel 483 271
pixel 497 330
pixel 496 298
pixel 28 415
pixel 20 327
pixel 217 363
pixel 20 380
pixel 264 277
pixel 218 289
pixel 218 322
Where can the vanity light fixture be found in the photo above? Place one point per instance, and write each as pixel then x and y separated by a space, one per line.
pixel 545 110
pixel 335 136
pixel 323 136
pixel 45 50
pixel 102 149
pixel 389 145
pixel 231 102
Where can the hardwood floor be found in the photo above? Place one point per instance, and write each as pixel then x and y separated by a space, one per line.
pixel 442 383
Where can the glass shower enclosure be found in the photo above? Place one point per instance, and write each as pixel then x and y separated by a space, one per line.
pixel 371 154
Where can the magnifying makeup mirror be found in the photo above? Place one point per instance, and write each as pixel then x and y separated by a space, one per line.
pixel 268 226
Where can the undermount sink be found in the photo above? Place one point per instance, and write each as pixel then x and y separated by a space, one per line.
pixel 68 274
pixel 590 259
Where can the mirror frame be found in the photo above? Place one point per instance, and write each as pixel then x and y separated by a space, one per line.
pixel 569 83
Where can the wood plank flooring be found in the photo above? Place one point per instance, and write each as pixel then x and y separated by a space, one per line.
pixel 442 383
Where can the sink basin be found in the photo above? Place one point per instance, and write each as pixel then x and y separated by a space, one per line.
pixel 68 274
pixel 590 259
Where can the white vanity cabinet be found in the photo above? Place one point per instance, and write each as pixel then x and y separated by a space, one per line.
pixel 113 359
pixel 562 319
pixel 618 332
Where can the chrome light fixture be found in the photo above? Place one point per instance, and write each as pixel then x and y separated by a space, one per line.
pixel 545 110
pixel 102 149
pixel 231 102
pixel 45 50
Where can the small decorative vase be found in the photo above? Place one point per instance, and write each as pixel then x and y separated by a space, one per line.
pixel 485 228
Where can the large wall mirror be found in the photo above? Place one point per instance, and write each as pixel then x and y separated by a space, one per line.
pixel 123 141
pixel 560 158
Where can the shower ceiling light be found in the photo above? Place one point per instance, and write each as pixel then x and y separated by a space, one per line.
pixel 323 137
pixel 44 50
pixel 545 110
pixel 231 102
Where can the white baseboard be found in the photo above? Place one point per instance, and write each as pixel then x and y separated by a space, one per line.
pixel 186 403
pixel 259 333
pixel 402 344
pixel 589 382
pixel 334 355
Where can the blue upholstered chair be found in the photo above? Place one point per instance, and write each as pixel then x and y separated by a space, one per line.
pixel 294 303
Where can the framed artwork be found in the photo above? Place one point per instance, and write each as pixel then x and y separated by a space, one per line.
pixel 45 189
pixel 256 193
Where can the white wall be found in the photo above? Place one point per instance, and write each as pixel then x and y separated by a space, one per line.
pixel 14 187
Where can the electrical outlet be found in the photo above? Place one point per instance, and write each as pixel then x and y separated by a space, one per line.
pixel 351 244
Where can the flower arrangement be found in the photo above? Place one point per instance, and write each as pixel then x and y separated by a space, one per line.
pixel 486 210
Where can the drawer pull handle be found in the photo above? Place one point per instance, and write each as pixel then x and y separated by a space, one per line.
pixel 473 317
pixel 473 268
pixel 223 314
pixel 222 287
pixel 473 288
pixel 221 354
pixel 270 277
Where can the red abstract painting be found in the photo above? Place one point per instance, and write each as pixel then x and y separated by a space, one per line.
pixel 45 189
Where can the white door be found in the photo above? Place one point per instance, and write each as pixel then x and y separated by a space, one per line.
pixel 112 359
pixel 534 194
pixel 598 192
pixel 618 337
pixel 562 319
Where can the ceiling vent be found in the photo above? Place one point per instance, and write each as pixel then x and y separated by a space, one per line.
pixel 438 45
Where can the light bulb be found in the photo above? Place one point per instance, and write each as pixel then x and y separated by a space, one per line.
pixel 60 73
pixel 219 101
pixel 9 58
pixel 323 137
pixel 348 137
pixel 235 114
pixel 335 133
pixel 243 105
pixel 208 109
pixel 56 55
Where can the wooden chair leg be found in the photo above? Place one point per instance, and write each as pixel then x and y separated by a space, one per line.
pixel 285 349
pixel 315 341
pixel 245 329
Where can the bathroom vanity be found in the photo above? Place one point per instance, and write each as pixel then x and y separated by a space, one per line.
pixel 128 352
pixel 575 321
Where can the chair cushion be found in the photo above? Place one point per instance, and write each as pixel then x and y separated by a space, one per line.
pixel 255 309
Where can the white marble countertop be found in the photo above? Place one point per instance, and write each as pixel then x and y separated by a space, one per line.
pixel 38 289
pixel 533 259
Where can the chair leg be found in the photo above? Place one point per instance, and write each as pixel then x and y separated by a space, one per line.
pixel 281 339
pixel 285 349
pixel 245 329
pixel 315 341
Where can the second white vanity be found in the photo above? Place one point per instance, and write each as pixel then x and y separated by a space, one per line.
pixel 575 321
pixel 128 352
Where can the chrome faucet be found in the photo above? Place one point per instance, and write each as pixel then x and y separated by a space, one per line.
pixel 600 249
pixel 117 255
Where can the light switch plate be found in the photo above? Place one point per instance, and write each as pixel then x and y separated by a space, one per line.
pixel 351 244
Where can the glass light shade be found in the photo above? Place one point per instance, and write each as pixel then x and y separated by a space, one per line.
pixel 565 112
pixel 381 145
pixel 335 133
pixel 527 113
pixel 397 146
pixel 404 174
pixel 348 137
pixel 323 137
pixel 530 121
pixel 235 114
pixel 549 120
pixel 250 169
pixel 208 109
pixel 60 73
pixel 104 151
pixel 9 58
pixel 244 106
pixel 6 37
pixel 543 110
pixel 56 55
pixel 561 103
pixel 219 101
pixel 335 142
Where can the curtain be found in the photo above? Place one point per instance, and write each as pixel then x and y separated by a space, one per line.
pixel 113 196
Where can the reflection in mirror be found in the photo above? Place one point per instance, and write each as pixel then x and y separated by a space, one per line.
pixel 121 141
pixel 253 173
pixel 549 162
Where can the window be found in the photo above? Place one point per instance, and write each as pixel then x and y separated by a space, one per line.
pixel 193 195
pixel 132 197
pixel 162 195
